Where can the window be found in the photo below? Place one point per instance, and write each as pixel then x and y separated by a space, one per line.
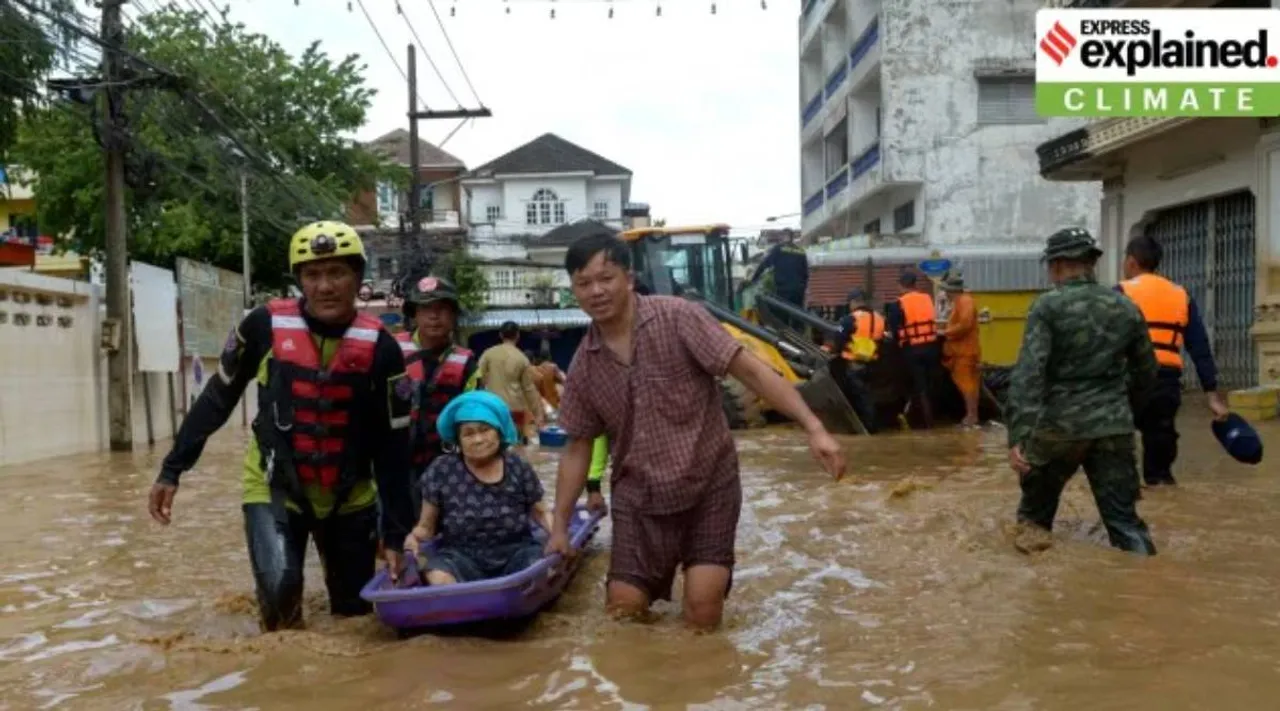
pixel 544 208
pixel 386 197
pixel 1007 100
pixel 837 148
pixel 386 267
pixel 493 213
pixel 502 278
pixel 600 210
pixel 904 216
pixel 872 227
pixel 426 200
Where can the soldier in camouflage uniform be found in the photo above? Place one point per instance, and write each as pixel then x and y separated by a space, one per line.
pixel 1086 362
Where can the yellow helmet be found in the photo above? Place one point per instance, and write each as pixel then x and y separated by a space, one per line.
pixel 325 240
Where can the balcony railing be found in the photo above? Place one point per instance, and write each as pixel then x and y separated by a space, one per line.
pixel 867 40
pixel 813 203
pixel 865 161
pixel 812 108
pixel 837 183
pixel 836 78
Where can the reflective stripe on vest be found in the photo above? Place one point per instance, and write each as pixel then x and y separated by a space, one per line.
pixel 1167 311
pixel 322 398
pixel 867 325
pixel 447 382
pixel 918 318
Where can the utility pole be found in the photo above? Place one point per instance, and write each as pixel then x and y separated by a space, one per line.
pixel 415 160
pixel 119 360
pixel 244 237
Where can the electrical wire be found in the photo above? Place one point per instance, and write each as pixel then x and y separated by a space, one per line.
pixel 456 58
pixel 405 16
pixel 252 155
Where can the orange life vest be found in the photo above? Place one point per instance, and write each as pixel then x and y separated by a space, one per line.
pixel 919 319
pixel 866 324
pixel 430 397
pixel 1167 311
pixel 319 411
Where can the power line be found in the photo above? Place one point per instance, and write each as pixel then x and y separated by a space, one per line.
pixel 456 58
pixel 385 48
pixel 405 16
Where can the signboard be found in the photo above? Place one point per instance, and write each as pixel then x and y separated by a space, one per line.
pixel 935 267
pixel 212 304
pixel 155 318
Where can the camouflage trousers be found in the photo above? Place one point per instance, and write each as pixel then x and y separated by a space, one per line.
pixel 1111 465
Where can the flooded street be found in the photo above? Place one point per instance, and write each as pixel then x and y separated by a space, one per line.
pixel 897 588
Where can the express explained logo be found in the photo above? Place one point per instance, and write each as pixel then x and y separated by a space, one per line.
pixel 1058 43
pixel 1133 44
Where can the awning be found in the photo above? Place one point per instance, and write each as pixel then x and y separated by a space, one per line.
pixel 528 318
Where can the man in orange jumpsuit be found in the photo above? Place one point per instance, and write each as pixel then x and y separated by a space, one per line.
pixel 961 353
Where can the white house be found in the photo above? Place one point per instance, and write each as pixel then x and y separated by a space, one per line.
pixel 919 121
pixel 548 182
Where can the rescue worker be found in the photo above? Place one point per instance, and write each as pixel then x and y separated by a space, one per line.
pixel 439 369
pixel 789 266
pixel 961 352
pixel 1085 367
pixel 913 324
pixel 1173 322
pixel 860 333
pixel 333 419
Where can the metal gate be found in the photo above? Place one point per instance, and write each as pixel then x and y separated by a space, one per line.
pixel 1234 273
pixel 1209 251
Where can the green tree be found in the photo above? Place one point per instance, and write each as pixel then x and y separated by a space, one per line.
pixel 465 273
pixel 237 104
pixel 28 50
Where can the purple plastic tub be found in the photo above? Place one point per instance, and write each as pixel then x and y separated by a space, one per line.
pixel 511 597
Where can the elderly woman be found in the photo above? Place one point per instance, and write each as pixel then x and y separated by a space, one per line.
pixel 482 500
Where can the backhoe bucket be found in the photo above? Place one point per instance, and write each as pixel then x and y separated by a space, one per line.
pixel 827 400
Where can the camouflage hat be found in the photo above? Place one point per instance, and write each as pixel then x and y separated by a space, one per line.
pixel 1071 243
pixel 953 282
pixel 430 289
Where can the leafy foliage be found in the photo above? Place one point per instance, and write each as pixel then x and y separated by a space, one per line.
pixel 458 267
pixel 27 53
pixel 238 104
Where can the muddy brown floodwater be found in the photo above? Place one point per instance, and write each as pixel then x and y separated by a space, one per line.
pixel 898 588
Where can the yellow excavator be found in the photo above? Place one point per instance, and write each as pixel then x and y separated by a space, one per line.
pixel 696 263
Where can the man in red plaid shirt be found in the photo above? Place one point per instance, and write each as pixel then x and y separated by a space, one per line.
pixel 645 375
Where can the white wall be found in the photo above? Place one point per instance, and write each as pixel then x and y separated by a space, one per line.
pixel 981 182
pixel 53 380
pixel 1200 160
pixel 609 191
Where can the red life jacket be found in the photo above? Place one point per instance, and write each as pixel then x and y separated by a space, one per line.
pixel 319 410
pixel 448 381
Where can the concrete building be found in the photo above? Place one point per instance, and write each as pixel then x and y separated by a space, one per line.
pixel 918 125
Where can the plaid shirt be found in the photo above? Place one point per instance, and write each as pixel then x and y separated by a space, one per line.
pixel 663 413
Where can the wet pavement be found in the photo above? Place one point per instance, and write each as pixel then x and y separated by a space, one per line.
pixel 898 588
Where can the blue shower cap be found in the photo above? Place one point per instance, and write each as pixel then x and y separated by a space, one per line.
pixel 477 406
